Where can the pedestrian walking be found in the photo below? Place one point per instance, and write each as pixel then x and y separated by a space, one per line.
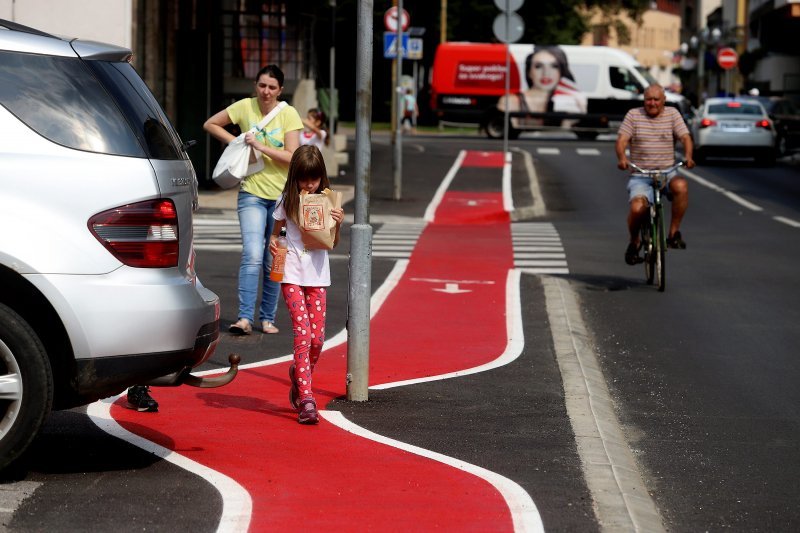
pixel 306 276
pixel 410 111
pixel 259 192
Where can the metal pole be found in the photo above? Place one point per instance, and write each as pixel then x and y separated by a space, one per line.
pixel 508 87
pixel 443 22
pixel 701 73
pixel 728 82
pixel 360 289
pixel 332 95
pixel 397 167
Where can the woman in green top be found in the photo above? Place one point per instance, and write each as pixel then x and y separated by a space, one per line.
pixel 258 193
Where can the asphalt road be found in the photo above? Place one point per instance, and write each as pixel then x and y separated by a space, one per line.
pixel 702 376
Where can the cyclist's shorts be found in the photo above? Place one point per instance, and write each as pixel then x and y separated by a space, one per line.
pixel 639 185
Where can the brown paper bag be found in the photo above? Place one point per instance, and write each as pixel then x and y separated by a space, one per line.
pixel 317 226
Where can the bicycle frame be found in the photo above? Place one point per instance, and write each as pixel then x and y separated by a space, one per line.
pixel 653 231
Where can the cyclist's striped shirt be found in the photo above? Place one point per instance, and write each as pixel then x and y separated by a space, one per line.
pixel 653 139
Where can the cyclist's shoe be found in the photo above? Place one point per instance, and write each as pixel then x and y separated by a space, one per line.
pixel 139 398
pixel 308 412
pixel 632 255
pixel 676 241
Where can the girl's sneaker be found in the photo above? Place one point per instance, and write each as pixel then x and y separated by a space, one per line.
pixel 308 412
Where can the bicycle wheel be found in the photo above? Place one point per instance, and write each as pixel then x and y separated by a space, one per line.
pixel 647 248
pixel 660 250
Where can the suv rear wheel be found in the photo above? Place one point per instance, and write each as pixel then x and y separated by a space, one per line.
pixel 26 385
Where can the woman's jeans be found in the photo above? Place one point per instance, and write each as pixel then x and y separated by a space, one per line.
pixel 256 222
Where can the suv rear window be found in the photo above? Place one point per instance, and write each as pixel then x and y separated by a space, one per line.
pixel 106 108
pixel 139 105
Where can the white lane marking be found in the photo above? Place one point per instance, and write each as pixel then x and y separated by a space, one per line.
pixel 538 249
pixel 787 221
pixel 714 187
pixel 587 151
pixel 237 507
pixel 508 199
pixel 741 201
pixel 513 348
pixel 548 151
pixel 524 514
pixel 548 270
pixel 437 198
pixel 460 281
pixel 538 208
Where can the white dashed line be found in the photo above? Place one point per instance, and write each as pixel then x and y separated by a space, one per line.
pixel 787 221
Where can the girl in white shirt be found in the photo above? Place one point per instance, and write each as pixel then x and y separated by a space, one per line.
pixel 314 132
pixel 306 276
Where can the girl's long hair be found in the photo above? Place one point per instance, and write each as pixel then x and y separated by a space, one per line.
pixel 306 162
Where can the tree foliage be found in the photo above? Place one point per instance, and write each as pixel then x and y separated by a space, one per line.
pixel 546 21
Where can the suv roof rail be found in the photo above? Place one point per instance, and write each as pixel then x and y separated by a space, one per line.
pixel 14 26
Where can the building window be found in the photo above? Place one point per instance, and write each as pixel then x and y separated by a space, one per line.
pixel 257 34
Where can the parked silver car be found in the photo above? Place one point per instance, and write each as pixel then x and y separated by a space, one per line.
pixel 98 290
pixel 733 127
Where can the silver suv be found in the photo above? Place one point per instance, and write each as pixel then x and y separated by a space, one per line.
pixel 98 290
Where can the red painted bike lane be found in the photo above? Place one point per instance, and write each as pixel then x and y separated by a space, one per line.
pixel 447 313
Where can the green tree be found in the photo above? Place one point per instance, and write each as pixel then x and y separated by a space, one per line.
pixel 546 21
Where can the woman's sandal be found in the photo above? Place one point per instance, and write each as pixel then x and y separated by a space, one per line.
pixel 241 327
pixel 268 327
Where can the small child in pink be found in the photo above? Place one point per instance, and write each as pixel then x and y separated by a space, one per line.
pixel 305 278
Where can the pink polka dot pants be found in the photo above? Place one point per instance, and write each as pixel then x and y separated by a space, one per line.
pixel 306 307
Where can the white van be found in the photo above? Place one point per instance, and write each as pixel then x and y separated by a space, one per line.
pixel 468 83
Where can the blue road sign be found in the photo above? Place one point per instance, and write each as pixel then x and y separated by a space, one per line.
pixel 390 45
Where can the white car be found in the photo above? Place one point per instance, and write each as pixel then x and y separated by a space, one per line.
pixel 98 290
pixel 733 127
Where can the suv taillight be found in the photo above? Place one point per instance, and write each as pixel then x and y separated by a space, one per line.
pixel 143 235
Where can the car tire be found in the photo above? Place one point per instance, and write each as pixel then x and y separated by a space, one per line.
pixel 782 146
pixel 494 125
pixel 26 393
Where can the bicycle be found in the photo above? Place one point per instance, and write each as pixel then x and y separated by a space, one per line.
pixel 654 236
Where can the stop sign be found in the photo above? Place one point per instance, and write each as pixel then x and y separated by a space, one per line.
pixel 727 58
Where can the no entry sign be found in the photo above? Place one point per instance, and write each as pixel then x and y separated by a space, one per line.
pixel 727 58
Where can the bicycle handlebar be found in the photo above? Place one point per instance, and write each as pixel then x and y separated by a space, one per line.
pixel 655 172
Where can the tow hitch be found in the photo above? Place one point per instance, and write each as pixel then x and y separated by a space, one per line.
pixel 215 381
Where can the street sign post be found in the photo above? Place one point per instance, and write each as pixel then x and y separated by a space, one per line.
pixel 727 58
pixel 390 45
pixel 508 27
pixel 391 20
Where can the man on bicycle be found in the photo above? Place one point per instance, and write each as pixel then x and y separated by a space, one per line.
pixel 651 132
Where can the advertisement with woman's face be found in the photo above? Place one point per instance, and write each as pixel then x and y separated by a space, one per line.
pixel 550 89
